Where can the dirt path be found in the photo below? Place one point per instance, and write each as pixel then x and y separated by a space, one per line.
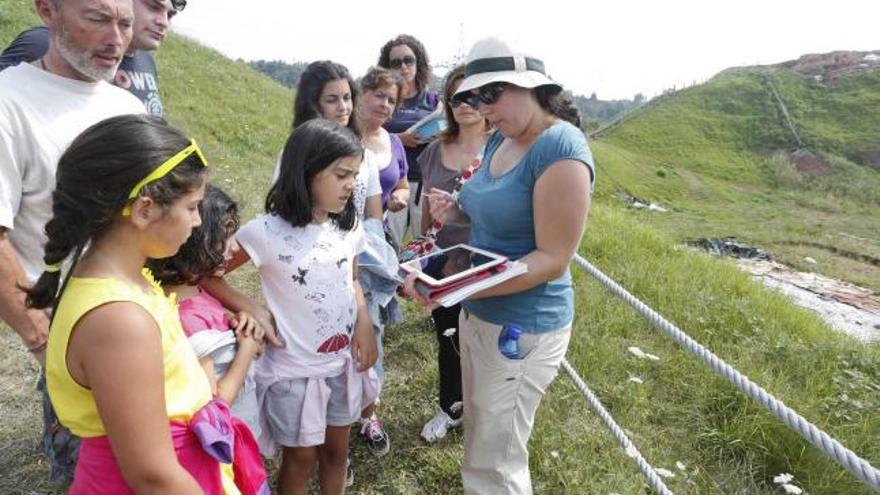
pixel 848 308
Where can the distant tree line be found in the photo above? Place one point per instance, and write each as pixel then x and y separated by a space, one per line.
pixel 602 111
pixel 594 111
pixel 285 73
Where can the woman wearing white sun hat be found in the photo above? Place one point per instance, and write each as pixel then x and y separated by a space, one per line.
pixel 528 201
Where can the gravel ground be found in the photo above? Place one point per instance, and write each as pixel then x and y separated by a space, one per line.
pixel 848 308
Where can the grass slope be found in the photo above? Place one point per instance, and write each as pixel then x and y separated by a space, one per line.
pixel 682 412
pixel 711 154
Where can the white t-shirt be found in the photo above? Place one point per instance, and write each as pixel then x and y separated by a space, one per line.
pixel 366 184
pixel 40 114
pixel 306 275
pixel 384 159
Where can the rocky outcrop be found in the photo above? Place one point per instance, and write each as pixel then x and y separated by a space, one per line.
pixel 827 67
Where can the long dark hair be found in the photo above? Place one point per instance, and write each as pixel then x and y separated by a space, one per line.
pixel 306 105
pixel 201 254
pixel 311 148
pixel 94 178
pixel 554 100
pixel 423 65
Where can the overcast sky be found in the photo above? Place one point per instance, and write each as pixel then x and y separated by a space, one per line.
pixel 616 48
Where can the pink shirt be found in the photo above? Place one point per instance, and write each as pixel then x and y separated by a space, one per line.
pixel 202 312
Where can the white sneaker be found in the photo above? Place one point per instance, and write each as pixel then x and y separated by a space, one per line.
pixel 438 426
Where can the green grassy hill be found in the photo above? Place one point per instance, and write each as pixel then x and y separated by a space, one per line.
pixel 682 151
pixel 716 154
pixel 737 114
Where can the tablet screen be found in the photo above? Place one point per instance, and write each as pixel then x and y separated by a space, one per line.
pixel 452 264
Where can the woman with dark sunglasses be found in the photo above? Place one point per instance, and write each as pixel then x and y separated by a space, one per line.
pixel 528 201
pixel 406 56
pixel 443 163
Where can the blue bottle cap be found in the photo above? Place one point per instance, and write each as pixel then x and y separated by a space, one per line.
pixel 514 331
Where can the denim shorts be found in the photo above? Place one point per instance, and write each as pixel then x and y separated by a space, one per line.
pixel 283 407
pixel 58 444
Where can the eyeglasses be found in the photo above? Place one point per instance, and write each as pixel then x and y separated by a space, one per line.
pixel 397 63
pixel 163 170
pixel 486 95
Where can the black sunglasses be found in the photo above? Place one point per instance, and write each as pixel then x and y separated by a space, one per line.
pixel 397 63
pixel 486 95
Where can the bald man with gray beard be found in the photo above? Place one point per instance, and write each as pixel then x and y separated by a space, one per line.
pixel 44 105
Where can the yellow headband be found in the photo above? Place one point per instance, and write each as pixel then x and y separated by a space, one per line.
pixel 53 268
pixel 163 169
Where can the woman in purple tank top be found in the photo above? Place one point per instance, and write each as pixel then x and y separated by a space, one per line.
pixel 380 94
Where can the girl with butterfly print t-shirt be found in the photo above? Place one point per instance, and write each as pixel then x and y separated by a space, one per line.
pixel 312 390
pixel 306 275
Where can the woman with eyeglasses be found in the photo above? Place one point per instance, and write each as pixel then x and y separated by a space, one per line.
pixel 444 162
pixel 528 201
pixel 406 56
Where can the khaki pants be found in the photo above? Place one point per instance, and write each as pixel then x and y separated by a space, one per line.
pixel 501 397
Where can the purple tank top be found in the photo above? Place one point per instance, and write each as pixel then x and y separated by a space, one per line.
pixel 396 170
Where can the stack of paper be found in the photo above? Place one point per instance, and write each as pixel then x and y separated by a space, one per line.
pixel 504 272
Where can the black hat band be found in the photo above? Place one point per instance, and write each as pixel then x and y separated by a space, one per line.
pixel 499 64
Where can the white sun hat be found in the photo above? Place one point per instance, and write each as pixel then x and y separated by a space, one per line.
pixel 492 60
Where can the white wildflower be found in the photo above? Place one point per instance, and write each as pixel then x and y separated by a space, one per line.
pixel 554 454
pixel 449 332
pixel 665 473
pixel 636 379
pixel 782 478
pixel 792 489
pixel 636 352
pixel 680 465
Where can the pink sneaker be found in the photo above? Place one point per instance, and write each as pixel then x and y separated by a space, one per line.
pixel 375 436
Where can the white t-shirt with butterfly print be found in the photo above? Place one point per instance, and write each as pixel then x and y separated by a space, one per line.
pixel 306 276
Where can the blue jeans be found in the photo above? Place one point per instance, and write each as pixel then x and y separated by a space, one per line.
pixel 379 330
